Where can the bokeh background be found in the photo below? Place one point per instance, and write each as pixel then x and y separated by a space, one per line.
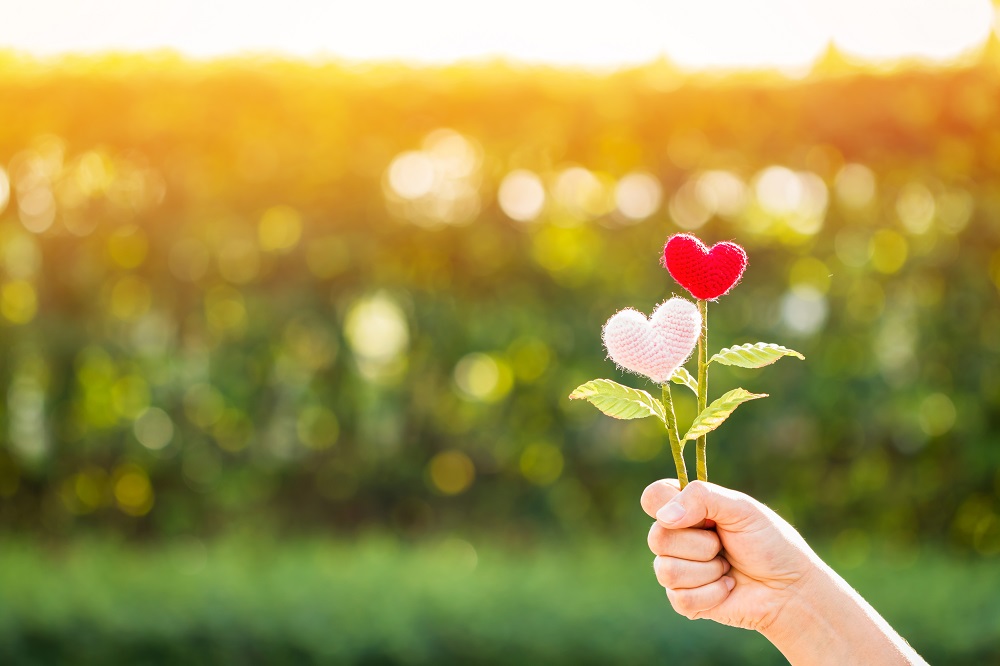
pixel 285 351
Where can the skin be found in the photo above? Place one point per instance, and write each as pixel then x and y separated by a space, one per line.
pixel 755 572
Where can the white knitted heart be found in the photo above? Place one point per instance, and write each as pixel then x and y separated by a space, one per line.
pixel 657 346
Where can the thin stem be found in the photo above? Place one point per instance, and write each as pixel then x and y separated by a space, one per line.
pixel 702 448
pixel 676 445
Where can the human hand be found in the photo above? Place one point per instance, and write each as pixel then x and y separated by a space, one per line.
pixel 741 574
pixel 754 571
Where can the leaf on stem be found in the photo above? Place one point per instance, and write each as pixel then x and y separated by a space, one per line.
pixel 682 376
pixel 620 402
pixel 755 355
pixel 716 413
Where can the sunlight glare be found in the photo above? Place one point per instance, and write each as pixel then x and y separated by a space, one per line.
pixel 638 195
pixel 4 189
pixel 889 29
pixel 438 185
pixel 915 207
pixel 722 192
pixel 687 209
pixel 855 185
pixel 521 195
pixel 710 34
pixel 581 193
pixel 411 175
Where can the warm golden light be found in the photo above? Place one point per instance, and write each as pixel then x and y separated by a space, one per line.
pixel 638 195
pixel 727 34
pixel 300 320
pixel 438 185
pixel 377 333
pixel 521 195
pixel 855 185
pixel 4 189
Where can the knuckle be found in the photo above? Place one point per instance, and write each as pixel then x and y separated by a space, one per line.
pixel 710 544
pixel 696 489
pixel 656 494
pixel 703 545
pixel 653 540
pixel 746 504
pixel 644 499
pixel 748 508
pixel 681 602
pixel 666 571
pixel 648 498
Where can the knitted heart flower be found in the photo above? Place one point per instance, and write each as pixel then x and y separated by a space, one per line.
pixel 657 346
pixel 706 273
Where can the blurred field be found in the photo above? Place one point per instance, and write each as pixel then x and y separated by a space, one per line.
pixel 379 601
pixel 273 301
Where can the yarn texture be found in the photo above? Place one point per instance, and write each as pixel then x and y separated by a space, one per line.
pixel 706 273
pixel 657 346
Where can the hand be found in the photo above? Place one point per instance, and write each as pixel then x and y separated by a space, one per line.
pixel 754 571
pixel 743 573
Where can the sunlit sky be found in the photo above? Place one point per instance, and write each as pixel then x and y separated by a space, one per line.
pixel 694 34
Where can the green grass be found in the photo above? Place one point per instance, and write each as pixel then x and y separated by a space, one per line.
pixel 380 601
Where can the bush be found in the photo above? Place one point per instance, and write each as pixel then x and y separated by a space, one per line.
pixel 378 600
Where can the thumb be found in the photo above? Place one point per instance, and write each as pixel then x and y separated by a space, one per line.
pixel 701 501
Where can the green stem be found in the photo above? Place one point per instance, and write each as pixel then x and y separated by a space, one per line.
pixel 702 449
pixel 676 445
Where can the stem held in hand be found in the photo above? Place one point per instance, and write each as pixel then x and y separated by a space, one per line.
pixel 676 445
pixel 702 447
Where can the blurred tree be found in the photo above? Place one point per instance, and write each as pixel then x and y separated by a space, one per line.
pixel 286 296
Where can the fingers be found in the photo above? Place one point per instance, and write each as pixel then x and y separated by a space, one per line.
pixel 701 501
pixel 688 563
pixel 657 494
pixel 676 574
pixel 686 543
pixel 691 602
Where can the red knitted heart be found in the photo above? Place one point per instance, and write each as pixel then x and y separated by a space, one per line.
pixel 707 274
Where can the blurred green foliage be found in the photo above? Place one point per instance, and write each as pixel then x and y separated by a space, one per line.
pixel 375 601
pixel 272 297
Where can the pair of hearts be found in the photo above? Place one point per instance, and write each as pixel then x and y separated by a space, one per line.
pixel 706 273
pixel 657 346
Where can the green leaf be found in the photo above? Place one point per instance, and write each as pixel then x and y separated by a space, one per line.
pixel 755 355
pixel 682 376
pixel 716 413
pixel 620 402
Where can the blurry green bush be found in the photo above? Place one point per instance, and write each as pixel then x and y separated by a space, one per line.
pixel 260 294
pixel 379 601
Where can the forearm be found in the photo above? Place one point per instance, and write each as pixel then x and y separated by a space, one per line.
pixel 827 622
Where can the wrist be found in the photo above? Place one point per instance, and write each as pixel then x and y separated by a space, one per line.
pixel 803 618
pixel 824 621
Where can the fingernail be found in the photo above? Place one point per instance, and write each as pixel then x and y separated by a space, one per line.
pixel 730 582
pixel 671 513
